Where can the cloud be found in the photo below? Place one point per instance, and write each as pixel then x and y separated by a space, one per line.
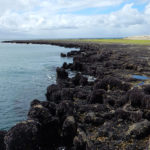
pixel 54 18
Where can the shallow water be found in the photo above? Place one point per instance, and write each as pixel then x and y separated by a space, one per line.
pixel 25 73
pixel 140 77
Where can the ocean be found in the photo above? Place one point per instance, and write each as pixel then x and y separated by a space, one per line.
pixel 26 70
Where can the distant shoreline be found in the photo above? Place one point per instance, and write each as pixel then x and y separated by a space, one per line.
pixel 143 37
pixel 138 40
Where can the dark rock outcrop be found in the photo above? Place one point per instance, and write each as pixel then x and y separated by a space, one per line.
pixel 2 144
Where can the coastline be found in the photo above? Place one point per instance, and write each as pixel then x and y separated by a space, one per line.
pixel 109 112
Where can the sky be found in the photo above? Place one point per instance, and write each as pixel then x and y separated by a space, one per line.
pixel 24 19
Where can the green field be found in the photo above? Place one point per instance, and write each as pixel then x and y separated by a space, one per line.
pixel 120 41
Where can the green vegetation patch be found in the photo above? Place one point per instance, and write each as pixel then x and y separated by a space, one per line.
pixel 120 41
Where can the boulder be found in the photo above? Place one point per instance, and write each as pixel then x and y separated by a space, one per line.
pixel 50 124
pixel 40 114
pixel 63 55
pixel 23 136
pixel 64 109
pixel 61 73
pixel 53 93
pixel 69 130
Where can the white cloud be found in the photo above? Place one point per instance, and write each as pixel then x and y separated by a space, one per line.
pixel 54 18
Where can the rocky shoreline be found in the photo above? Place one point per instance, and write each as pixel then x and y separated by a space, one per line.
pixel 109 112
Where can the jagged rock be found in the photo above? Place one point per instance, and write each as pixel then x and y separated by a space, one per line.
pixel 93 108
pixel 147 89
pixel 63 55
pixel 91 118
pixel 23 136
pixel 66 94
pixel 65 65
pixel 79 80
pixel 145 102
pixel 96 97
pixel 35 102
pixel 136 97
pixel 77 66
pixel 2 144
pixel 50 125
pixel 111 83
pixel 121 114
pixel 72 53
pixel 139 130
pixel 64 109
pixel 40 114
pixel 81 93
pixel 53 93
pixel 69 130
pixel 136 116
pixel 79 141
pixel 61 73
pixel 51 106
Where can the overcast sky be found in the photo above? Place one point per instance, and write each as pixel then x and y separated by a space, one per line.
pixel 73 18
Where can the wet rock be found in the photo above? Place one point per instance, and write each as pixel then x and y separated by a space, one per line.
pixel 35 102
pixel 96 97
pixel 65 65
pixel 72 53
pixel 77 66
pixel 63 55
pixel 69 130
pixel 79 80
pixel 61 73
pixel 2 144
pixel 53 93
pixel 23 136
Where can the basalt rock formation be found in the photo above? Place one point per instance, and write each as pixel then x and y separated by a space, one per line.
pixel 109 112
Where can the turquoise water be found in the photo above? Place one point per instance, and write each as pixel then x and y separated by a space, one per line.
pixel 25 73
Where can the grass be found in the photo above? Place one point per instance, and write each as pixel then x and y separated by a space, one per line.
pixel 120 41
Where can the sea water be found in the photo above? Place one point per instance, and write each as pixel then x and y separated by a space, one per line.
pixel 25 72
